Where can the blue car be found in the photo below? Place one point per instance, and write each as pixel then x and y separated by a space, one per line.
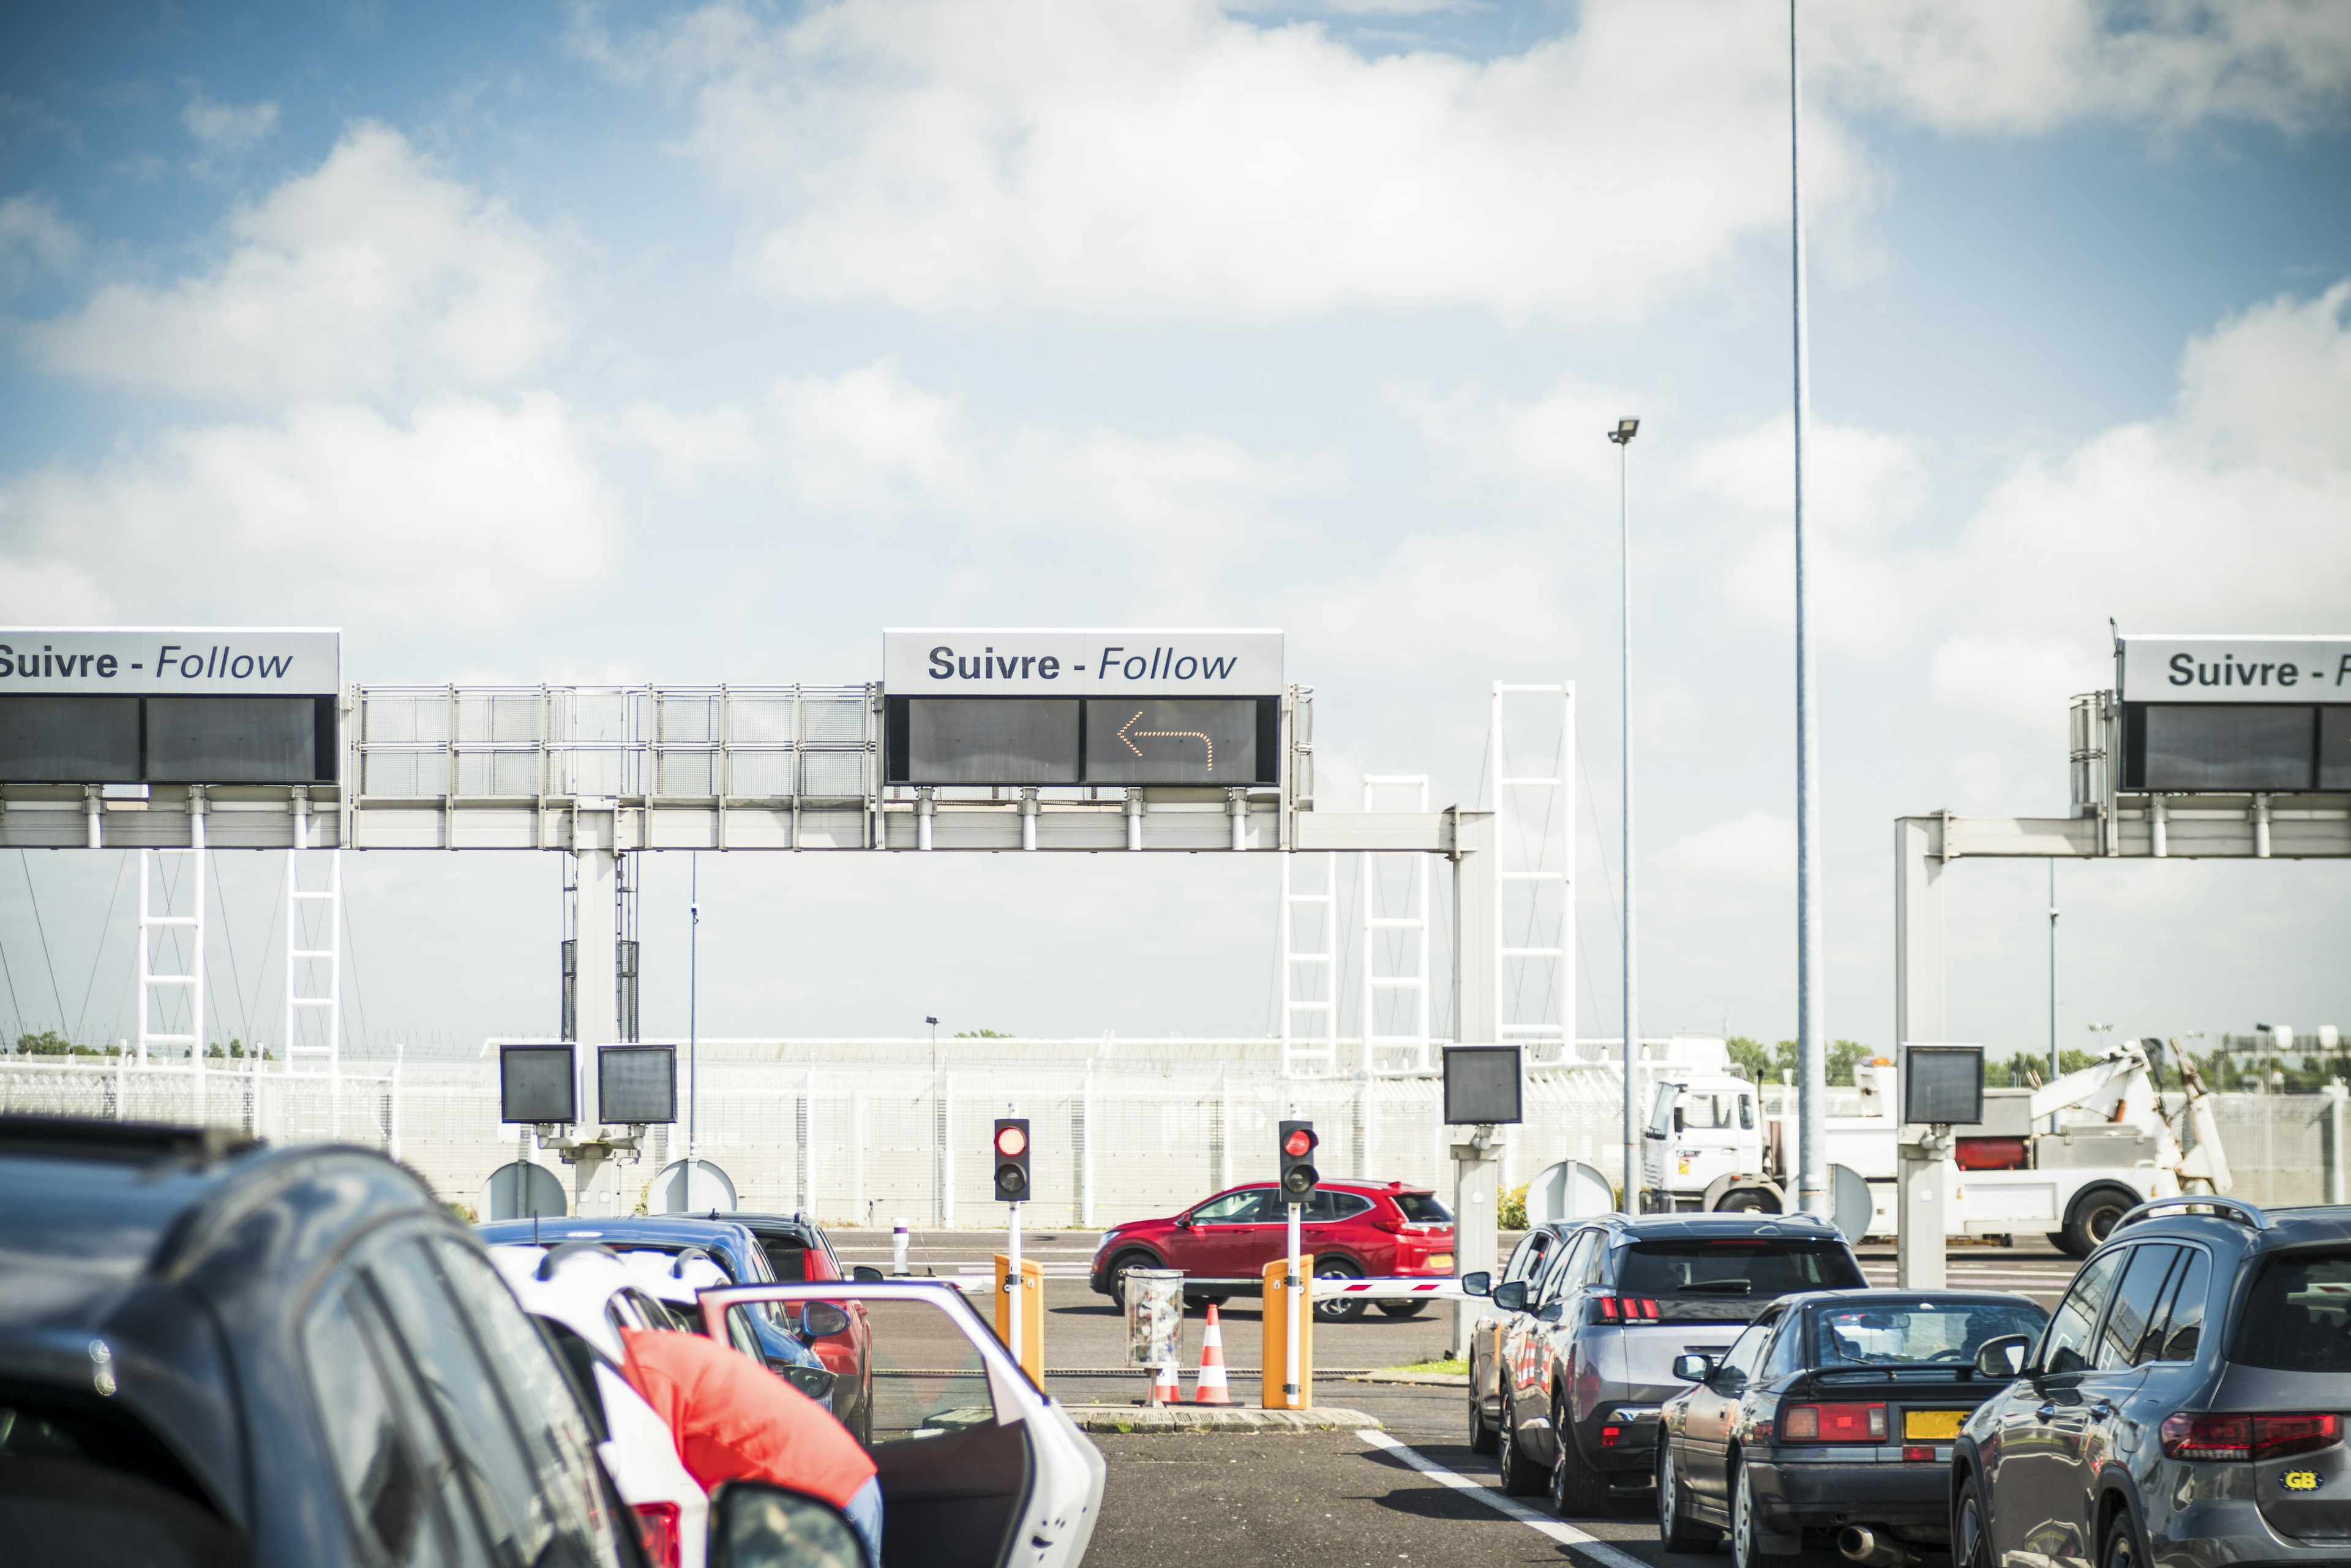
pixel 732 1246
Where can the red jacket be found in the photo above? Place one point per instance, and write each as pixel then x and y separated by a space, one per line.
pixel 735 1420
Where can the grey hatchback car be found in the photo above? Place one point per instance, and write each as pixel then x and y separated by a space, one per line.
pixel 2185 1405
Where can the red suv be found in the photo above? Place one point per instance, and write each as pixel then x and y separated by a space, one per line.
pixel 1353 1228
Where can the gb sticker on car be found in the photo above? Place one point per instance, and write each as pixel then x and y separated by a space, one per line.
pixel 2300 1481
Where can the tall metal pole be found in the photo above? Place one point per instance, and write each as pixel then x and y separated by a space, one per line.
pixel 693 1030
pixel 1812 1053
pixel 2053 979
pixel 1623 436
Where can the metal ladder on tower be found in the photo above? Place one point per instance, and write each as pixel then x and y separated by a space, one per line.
pixel 308 1001
pixel 1545 859
pixel 192 984
pixel 1298 1055
pixel 1387 1055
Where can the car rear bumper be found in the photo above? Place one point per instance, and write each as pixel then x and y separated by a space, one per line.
pixel 2233 1532
pixel 1913 1498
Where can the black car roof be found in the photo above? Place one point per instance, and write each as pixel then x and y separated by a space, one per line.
pixel 1662 1226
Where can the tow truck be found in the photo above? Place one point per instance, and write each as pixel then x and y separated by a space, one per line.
pixel 2068 1158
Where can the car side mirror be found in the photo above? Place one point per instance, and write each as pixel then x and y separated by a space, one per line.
pixel 1550 1311
pixel 813 1380
pixel 755 1524
pixel 822 1320
pixel 1182 1222
pixel 1481 1284
pixel 2004 1356
pixel 863 1272
pixel 1510 1295
pixel 1693 1368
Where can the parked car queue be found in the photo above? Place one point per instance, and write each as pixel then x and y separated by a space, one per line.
pixel 213 1352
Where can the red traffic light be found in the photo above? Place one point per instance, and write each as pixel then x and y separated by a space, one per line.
pixel 1011 1142
pixel 1300 1144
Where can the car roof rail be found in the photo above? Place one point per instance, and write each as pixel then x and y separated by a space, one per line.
pixel 562 1250
pixel 2221 1207
pixel 677 1268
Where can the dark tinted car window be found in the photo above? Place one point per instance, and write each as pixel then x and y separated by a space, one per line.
pixel 2177 1337
pixel 788 1258
pixel 1529 1256
pixel 387 1453
pixel 1731 1277
pixel 1423 1208
pixel 1892 1333
pixel 1233 1209
pixel 2067 1346
pixel 2298 1316
pixel 2136 1300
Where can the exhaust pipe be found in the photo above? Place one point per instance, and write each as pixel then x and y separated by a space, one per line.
pixel 1865 1545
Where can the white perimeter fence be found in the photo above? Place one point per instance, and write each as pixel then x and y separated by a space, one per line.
pixel 860 1139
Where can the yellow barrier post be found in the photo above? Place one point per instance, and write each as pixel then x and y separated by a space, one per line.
pixel 1030 1352
pixel 1275 1355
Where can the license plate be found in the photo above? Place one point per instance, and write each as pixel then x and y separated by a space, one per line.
pixel 1932 1425
pixel 1441 1259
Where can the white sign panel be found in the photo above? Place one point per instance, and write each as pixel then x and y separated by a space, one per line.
pixel 974 663
pixel 2236 669
pixel 137 661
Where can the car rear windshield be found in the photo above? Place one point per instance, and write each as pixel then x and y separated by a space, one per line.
pixel 1902 1333
pixel 1732 1277
pixel 1423 1208
pixel 2298 1317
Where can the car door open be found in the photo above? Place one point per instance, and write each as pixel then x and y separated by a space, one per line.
pixel 977 1468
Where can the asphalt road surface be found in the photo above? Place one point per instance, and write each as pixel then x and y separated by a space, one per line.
pixel 1412 1494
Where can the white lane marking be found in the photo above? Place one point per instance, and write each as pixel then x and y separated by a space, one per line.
pixel 1565 1534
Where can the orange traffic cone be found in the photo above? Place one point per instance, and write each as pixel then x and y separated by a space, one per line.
pixel 1164 1388
pixel 1210 1387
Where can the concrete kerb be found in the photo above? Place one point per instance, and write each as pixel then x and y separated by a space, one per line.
pixel 1216 1418
pixel 1415 1379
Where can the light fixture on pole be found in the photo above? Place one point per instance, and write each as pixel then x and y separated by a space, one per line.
pixel 1623 436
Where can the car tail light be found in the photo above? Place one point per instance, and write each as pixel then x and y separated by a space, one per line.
pixel 1833 1424
pixel 1918 1454
pixel 1610 1434
pixel 1622 1310
pixel 657 1525
pixel 2204 1437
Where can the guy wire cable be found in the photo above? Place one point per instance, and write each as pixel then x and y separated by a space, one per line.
pixel 43 933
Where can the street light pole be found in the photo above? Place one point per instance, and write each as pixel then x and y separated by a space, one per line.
pixel 938 1137
pixel 1623 436
pixel 692 1030
pixel 1811 1052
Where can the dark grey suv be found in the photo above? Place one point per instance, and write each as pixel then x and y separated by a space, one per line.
pixel 1587 1350
pixel 2185 1405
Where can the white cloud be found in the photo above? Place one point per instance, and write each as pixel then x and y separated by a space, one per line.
pixel 1753 853
pixel 48 592
pixel 1167 158
pixel 466 512
pixel 1491 599
pixel 34 238
pixel 228 128
pixel 2023 66
pixel 1864 485
pixel 371 275
pixel 2225 514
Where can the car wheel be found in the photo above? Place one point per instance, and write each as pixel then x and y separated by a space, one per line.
pixel 1126 1264
pixel 1679 1532
pixel 1513 1472
pixel 1970 1545
pixel 1746 1200
pixel 1401 1309
pixel 1342 1311
pixel 1744 1534
pixel 1577 1490
pixel 2092 1219
pixel 1481 1431
pixel 2122 1545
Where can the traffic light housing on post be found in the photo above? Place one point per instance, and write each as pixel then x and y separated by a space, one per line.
pixel 1011 1159
pixel 1299 1176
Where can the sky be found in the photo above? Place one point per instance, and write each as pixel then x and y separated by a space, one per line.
pixel 697 343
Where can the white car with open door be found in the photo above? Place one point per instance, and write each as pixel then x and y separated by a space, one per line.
pixel 978 1467
pixel 584 1296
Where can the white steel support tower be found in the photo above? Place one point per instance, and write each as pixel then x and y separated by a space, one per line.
pixel 1318 1052
pixel 1534 881
pixel 152 985
pixel 314 1000
pixel 1408 1052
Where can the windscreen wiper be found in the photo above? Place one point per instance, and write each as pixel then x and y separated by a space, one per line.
pixel 1718 1288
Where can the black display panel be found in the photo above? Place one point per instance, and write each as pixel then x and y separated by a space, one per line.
pixel 239 740
pixel 1943 1084
pixel 2225 747
pixel 985 740
pixel 535 1083
pixel 69 740
pixel 2335 746
pixel 1172 741
pixel 1483 1085
pixel 636 1083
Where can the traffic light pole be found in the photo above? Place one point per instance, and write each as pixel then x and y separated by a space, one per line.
pixel 1013 1281
pixel 1290 1392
